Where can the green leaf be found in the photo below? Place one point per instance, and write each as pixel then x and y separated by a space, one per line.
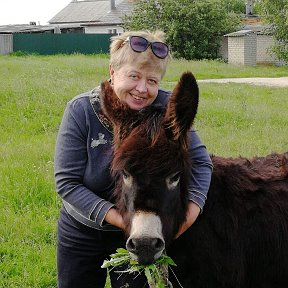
pixel 122 251
pixel 105 264
pixel 148 276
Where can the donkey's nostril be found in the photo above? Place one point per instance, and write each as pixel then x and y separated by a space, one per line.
pixel 158 244
pixel 131 244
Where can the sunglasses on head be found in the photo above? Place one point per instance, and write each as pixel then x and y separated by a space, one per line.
pixel 140 44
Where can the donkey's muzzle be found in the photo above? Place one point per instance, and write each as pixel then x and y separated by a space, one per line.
pixel 145 250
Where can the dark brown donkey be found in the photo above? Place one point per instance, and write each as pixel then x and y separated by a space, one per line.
pixel 240 239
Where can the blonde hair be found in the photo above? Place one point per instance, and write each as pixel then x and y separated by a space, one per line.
pixel 121 52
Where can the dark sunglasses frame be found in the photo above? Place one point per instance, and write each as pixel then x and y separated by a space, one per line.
pixel 146 45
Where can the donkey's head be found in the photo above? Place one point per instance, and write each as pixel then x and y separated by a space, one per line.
pixel 150 166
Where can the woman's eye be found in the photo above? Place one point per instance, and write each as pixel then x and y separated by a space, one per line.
pixel 133 76
pixel 153 81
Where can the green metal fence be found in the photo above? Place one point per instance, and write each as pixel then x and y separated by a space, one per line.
pixel 47 44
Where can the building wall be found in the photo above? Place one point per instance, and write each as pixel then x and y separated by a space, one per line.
pixel 223 49
pixel 242 49
pixel 236 50
pixel 250 49
pixel 264 43
pixel 103 29
pixel 6 43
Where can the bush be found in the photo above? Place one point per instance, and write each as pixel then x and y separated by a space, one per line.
pixel 275 13
pixel 194 29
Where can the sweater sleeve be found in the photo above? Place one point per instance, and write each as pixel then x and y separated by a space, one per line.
pixel 201 171
pixel 70 161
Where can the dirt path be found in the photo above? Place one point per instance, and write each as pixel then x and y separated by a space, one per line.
pixel 275 82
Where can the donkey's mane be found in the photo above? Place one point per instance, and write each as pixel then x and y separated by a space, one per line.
pixel 151 120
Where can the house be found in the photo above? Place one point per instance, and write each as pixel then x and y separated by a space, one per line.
pixel 96 16
pixel 242 47
pixel 250 47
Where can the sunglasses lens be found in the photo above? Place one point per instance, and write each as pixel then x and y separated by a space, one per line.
pixel 138 44
pixel 160 49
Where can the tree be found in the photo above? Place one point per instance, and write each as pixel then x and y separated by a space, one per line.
pixel 194 28
pixel 275 12
pixel 236 6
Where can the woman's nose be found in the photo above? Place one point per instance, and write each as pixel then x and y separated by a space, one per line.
pixel 142 86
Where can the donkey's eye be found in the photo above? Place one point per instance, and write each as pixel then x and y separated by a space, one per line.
pixel 127 178
pixel 125 174
pixel 173 180
pixel 175 177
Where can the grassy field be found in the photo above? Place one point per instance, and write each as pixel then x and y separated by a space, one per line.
pixel 233 119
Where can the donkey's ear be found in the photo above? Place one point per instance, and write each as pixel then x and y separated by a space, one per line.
pixel 182 107
pixel 111 105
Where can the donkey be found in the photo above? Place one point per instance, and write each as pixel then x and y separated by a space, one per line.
pixel 240 239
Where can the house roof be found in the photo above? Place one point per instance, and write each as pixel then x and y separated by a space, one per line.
pixel 24 28
pixel 250 29
pixel 93 11
pixel 240 33
pixel 123 8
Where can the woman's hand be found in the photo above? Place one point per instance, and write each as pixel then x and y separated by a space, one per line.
pixel 114 218
pixel 191 215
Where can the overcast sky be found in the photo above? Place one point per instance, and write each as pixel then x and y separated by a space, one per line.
pixel 24 11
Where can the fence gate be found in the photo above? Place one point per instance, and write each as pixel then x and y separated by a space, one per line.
pixel 6 43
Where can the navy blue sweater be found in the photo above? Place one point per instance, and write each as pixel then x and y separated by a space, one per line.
pixel 83 154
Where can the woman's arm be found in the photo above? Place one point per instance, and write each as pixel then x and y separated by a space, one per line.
pixel 193 211
pixel 70 163
pixel 199 180
pixel 201 170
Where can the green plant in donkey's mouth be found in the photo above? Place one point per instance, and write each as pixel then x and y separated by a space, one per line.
pixel 156 273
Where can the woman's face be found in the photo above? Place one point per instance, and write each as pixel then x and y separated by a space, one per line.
pixel 136 87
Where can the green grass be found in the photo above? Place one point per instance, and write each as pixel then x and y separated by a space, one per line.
pixel 243 120
pixel 216 69
pixel 233 119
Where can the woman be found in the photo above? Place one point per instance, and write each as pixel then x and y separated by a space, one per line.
pixel 89 226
